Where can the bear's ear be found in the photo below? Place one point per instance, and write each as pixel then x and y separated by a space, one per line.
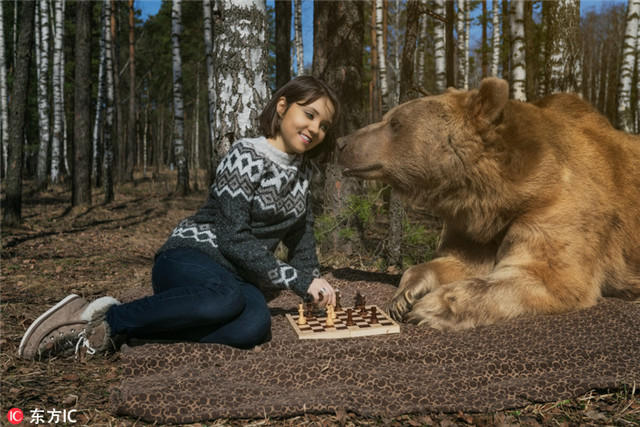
pixel 486 104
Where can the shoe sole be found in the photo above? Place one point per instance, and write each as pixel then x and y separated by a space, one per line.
pixel 41 319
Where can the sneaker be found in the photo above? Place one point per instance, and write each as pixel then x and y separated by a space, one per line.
pixel 72 322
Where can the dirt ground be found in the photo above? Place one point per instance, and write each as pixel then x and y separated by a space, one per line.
pixel 108 250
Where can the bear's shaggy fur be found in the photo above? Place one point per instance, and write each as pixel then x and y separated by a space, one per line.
pixel 540 203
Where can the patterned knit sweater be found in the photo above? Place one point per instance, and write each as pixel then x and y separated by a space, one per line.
pixel 260 197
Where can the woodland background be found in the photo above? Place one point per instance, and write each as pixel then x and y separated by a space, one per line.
pixel 90 93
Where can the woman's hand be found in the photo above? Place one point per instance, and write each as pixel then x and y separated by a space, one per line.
pixel 322 292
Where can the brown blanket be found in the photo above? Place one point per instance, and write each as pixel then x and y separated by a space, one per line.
pixel 420 370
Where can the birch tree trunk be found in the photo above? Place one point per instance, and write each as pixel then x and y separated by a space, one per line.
pixel 241 77
pixel 396 59
pixel 297 19
pixel 108 123
pixel 81 188
pixel 43 95
pixel 211 88
pixel 495 37
pixel 460 43
pixel 440 48
pixel 4 108
pixel 178 103
pixel 518 69
pixel 382 57
pixel 629 58
pixel 12 214
pixel 422 48
pixel 566 53
pixel 58 111
pixel 467 33
pixel 96 170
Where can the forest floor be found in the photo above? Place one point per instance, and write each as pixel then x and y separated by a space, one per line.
pixel 109 249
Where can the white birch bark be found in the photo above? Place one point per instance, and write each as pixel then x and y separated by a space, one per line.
pixel 57 141
pixel 211 81
pixel 565 59
pixel 518 69
pixel 460 43
pixel 43 95
pixel 100 99
pixel 4 108
pixel 297 20
pixel 495 38
pixel 422 47
pixel 382 56
pixel 108 123
pixel 178 102
pixel 241 58
pixel 439 47
pixel 629 52
pixel 467 33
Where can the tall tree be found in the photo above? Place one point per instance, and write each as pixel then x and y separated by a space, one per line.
pixel 4 107
pixel 382 56
pixel 485 65
pixel 450 46
pixel 565 53
pixel 211 86
pixel 338 47
pixel 13 201
pixel 107 172
pixel 43 95
pixel 518 66
pixel 439 47
pixel 461 51
pixel 495 37
pixel 58 93
pixel 283 42
pixel 629 60
pixel 131 127
pixel 81 191
pixel 178 102
pixel 102 86
pixel 241 62
pixel 298 36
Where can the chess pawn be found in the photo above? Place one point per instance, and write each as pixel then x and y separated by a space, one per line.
pixel 301 319
pixel 350 317
pixel 338 306
pixel 330 315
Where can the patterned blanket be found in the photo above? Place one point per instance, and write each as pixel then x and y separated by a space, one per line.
pixel 420 370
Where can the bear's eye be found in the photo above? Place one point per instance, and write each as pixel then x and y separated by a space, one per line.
pixel 394 123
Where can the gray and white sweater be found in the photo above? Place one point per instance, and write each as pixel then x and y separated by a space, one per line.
pixel 260 197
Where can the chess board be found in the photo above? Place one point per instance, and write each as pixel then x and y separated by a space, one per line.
pixel 316 327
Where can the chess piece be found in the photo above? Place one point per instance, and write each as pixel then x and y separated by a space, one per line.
pixel 350 317
pixel 310 314
pixel 359 302
pixel 338 306
pixel 374 315
pixel 301 319
pixel 330 315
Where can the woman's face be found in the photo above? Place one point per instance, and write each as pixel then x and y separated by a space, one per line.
pixel 302 127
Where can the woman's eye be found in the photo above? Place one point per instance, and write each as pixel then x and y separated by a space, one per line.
pixel 324 128
pixel 309 116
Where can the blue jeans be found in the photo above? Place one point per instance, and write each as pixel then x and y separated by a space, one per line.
pixel 195 299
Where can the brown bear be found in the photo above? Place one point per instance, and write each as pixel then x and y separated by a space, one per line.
pixel 540 203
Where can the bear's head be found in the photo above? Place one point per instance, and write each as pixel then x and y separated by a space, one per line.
pixel 421 144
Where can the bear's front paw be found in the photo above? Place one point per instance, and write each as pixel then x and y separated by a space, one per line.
pixel 443 309
pixel 415 283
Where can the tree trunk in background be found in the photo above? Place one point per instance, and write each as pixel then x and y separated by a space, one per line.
pixel 485 18
pixel 241 61
pixel 283 42
pixel 338 47
pixel 629 58
pixel 439 48
pixel 182 185
pixel 396 55
pixel 96 164
pixel 13 200
pixel 81 191
pixel 131 128
pixel 43 95
pixel 211 90
pixel 4 107
pixel 495 37
pixel 107 172
pixel 450 44
pixel 423 40
pixel 119 144
pixel 530 51
pixel 58 112
pixel 460 44
pixel 467 33
pixel 518 65
pixel 382 56
pixel 506 40
pixel 374 92
pixel 565 51
pixel 298 37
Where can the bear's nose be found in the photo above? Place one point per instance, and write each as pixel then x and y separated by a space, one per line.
pixel 341 142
